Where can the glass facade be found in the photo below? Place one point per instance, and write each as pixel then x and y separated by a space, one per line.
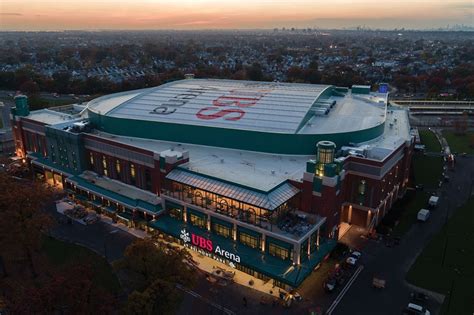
pixel 249 240
pixel 197 220
pixel 222 230
pixel 278 251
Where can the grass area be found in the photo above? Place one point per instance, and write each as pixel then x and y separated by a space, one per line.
pixel 447 263
pixel 61 253
pixel 409 208
pixel 459 143
pixel 430 141
pixel 427 170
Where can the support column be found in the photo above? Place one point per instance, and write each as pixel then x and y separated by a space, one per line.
pixel 297 254
pixel 234 232
pixel 309 245
pixel 264 238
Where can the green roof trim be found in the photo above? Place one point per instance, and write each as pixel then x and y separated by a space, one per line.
pixel 125 215
pixel 39 159
pixel 124 200
pixel 282 143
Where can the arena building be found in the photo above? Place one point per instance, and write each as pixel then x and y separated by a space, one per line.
pixel 258 175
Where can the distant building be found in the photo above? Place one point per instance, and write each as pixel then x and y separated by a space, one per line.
pixel 7 146
pixel 258 175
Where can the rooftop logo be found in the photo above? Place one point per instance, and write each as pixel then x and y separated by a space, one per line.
pixel 232 106
pixel 170 106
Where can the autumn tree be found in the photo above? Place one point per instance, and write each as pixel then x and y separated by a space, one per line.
pixel 153 273
pixel 22 219
pixel 68 290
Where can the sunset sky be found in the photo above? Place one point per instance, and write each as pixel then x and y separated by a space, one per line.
pixel 231 14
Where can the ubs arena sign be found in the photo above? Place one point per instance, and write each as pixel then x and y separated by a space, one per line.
pixel 207 245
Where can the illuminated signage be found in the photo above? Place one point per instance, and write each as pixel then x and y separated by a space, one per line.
pixel 207 245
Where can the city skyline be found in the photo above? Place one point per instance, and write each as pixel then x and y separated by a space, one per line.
pixel 245 14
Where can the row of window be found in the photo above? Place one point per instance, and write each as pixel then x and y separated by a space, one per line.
pixel 119 171
pixel 225 231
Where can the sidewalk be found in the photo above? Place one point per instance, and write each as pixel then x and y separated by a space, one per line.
pixel 135 232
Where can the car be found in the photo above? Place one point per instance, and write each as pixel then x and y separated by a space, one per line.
pixel 413 308
pixel 330 284
pixel 351 261
pixel 356 254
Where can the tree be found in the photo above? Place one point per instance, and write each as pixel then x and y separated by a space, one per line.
pixel 255 73
pixel 70 290
pixel 153 272
pixel 22 221
pixel 151 300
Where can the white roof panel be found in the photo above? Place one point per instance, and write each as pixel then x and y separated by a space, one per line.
pixel 245 105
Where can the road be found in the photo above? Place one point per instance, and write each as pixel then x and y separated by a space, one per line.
pixel 392 264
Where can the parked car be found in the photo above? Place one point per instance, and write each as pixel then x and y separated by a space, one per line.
pixel 423 215
pixel 356 254
pixel 330 285
pixel 351 261
pixel 413 308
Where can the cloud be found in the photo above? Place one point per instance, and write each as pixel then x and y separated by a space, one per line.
pixel 11 14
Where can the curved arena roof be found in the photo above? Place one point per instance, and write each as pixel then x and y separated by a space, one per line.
pixel 258 116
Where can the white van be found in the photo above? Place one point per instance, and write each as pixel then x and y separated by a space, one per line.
pixel 423 215
pixel 433 202
pixel 417 309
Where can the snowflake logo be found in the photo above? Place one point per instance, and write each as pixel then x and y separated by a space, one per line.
pixel 185 236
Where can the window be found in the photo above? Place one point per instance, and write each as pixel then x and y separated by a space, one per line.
pixel 362 187
pixel 133 174
pixel 222 230
pixel 148 183
pixel 246 270
pixel 176 213
pixel 278 251
pixel 118 168
pixel 249 240
pixel 104 165
pixel 197 221
pixel 91 159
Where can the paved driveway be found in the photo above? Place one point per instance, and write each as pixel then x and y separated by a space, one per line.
pixel 392 264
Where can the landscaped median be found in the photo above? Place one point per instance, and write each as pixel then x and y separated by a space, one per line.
pixel 446 265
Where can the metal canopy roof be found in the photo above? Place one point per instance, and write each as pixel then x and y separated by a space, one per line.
pixel 257 106
pixel 267 200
